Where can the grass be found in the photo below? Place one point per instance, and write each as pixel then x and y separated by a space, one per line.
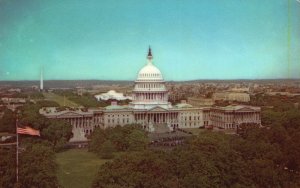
pixel 62 101
pixel 77 168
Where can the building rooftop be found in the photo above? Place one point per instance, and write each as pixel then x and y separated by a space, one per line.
pixel 116 107
pixel 239 107
pixel 183 105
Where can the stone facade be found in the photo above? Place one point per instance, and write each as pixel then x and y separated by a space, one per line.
pixel 230 117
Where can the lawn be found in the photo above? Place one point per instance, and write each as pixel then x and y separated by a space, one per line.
pixel 62 101
pixel 77 168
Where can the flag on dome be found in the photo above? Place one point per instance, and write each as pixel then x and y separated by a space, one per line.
pixel 28 130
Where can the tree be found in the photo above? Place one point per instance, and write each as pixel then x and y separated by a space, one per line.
pixel 98 137
pixel 7 167
pixel 57 132
pixel 137 140
pixel 128 137
pixel 141 169
pixel 107 150
pixel 38 167
pixel 291 152
pixel 30 116
pixel 208 160
pixel 269 117
pixel 7 122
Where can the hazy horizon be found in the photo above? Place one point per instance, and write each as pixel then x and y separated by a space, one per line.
pixel 263 79
pixel 190 40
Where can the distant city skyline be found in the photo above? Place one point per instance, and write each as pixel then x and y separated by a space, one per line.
pixel 190 40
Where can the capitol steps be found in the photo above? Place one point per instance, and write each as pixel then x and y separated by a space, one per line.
pixel 161 128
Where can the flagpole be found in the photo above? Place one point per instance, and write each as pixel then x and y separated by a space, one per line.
pixel 17 152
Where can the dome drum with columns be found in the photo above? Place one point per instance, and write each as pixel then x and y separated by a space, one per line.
pixel 149 89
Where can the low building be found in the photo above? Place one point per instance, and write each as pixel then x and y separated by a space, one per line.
pixel 199 102
pixel 112 94
pixel 9 100
pixel 231 96
pixel 230 117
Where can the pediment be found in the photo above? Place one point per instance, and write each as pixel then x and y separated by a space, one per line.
pixel 157 109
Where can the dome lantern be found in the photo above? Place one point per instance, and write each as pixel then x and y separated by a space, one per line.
pixel 149 57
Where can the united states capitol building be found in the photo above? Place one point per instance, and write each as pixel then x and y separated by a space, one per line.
pixel 151 109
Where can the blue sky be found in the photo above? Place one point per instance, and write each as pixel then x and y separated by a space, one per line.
pixel 202 39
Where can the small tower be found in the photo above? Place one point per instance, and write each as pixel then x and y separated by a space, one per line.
pixel 149 56
pixel 41 81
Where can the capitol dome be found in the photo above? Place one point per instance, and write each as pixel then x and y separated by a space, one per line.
pixel 149 72
pixel 149 88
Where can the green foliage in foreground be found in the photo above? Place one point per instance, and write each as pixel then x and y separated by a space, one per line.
pixel 37 160
pixel 37 167
pixel 7 122
pixel 208 160
pixel 7 167
pixel 127 138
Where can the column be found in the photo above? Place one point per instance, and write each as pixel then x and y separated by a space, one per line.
pixel 160 117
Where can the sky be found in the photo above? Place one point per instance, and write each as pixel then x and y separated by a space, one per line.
pixel 108 40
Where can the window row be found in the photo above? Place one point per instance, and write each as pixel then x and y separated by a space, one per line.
pixel 150 75
pixel 150 86
pixel 118 120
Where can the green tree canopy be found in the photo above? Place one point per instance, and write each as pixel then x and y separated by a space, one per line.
pixel 8 122
pixel 126 138
pixel 107 149
pixel 208 160
pixel 37 167
pixel 57 132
